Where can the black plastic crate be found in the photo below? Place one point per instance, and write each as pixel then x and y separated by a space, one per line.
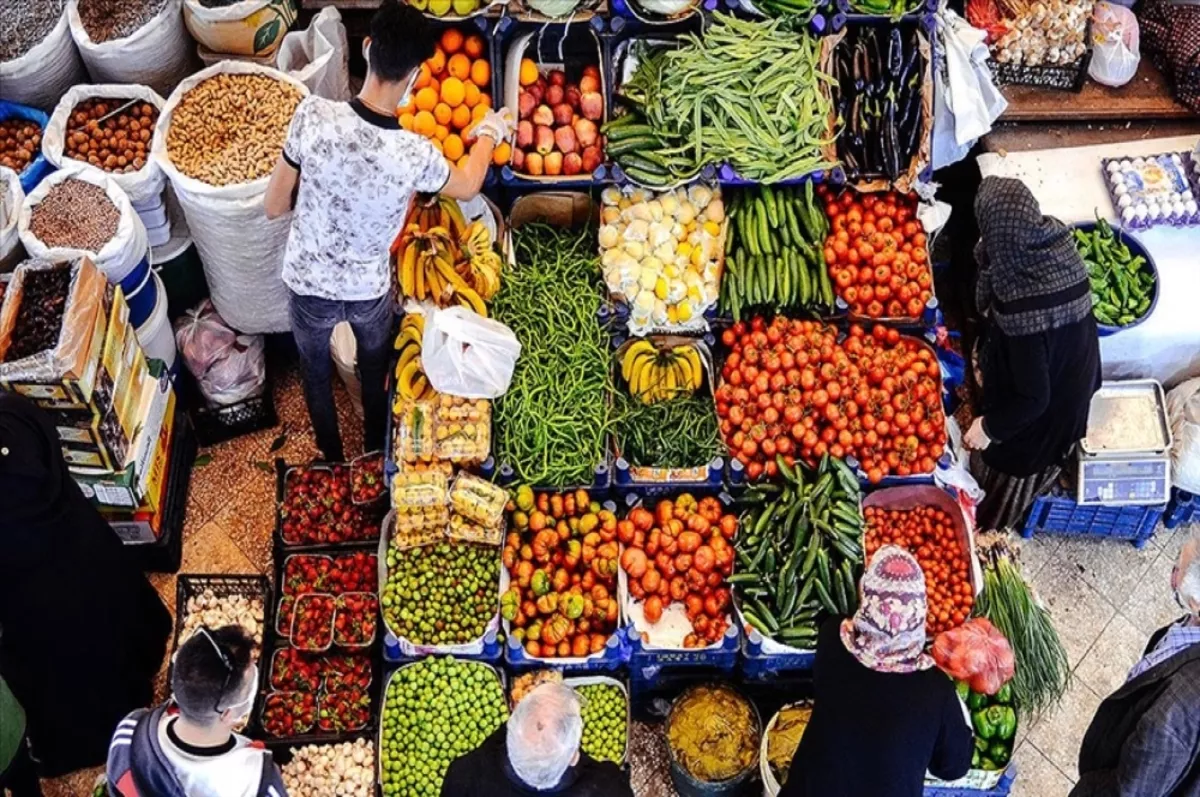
pixel 218 424
pixel 189 585
pixel 1068 77
pixel 283 548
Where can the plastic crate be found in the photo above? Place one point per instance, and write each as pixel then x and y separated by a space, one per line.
pixel 492 653
pixel 614 657
pixel 1067 77
pixel 759 666
pixel 1059 514
pixel 648 664
pixel 1181 508
pixel 189 585
pixel 374 512
pixel 1001 789
pixel 218 424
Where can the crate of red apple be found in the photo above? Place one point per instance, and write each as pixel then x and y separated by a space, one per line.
pixel 330 504
pixel 560 106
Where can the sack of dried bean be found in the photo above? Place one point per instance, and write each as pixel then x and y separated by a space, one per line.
pixel 218 138
pixel 134 127
pixel 11 199
pixel 78 211
pixel 239 27
pixel 133 41
pixel 38 59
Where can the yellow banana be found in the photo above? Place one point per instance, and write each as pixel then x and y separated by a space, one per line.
pixel 469 298
pixel 408 270
pixel 406 378
pixel 407 355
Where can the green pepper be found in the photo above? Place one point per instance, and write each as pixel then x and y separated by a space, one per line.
pixel 984 728
pixel 963 690
pixel 977 701
pixel 1004 719
pixel 981 745
pixel 999 752
pixel 988 764
pixel 975 759
pixel 1005 694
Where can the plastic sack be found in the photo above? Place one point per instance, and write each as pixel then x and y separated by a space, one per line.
pixel 229 367
pixel 247 27
pixel 146 183
pixel 39 167
pixel 1115 50
pixel 466 355
pixel 49 68
pixel 158 54
pixel 11 199
pixel 319 57
pixel 965 99
pixel 241 249
pixel 123 252
pixel 975 652
pixel 344 349
pixel 1183 412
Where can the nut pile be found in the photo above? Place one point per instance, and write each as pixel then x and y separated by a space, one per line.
pixel 105 20
pixel 210 610
pixel 75 214
pixel 25 23
pixel 345 770
pixel 20 142
pixel 119 144
pixel 231 128
pixel 39 318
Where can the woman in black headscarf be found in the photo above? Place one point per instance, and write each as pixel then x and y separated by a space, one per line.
pixel 1039 362
pixel 82 633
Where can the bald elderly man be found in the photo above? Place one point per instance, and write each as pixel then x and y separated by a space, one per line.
pixel 1145 738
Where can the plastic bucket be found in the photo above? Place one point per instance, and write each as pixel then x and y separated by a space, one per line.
pixel 142 300
pixel 132 279
pixel 179 268
pixel 155 335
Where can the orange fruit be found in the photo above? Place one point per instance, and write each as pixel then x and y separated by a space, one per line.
pixel 479 111
pixel 461 117
pixel 406 121
pixel 452 40
pixel 437 63
pixel 436 85
pixel 426 99
pixel 459 66
pixel 406 106
pixel 473 46
pixel 480 73
pixel 470 94
pixel 485 100
pixel 502 154
pixel 442 113
pixel 462 162
pixel 440 132
pixel 453 91
pixel 452 146
pixel 423 77
pixel 529 72
pixel 424 123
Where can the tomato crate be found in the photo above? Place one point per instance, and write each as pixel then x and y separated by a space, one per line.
pixel 964 788
pixel 647 663
pixel 1060 514
pixel 1181 508
pixel 614 657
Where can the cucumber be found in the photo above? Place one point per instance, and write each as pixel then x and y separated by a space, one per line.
pixel 614 132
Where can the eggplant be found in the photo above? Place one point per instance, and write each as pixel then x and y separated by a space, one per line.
pixel 895 52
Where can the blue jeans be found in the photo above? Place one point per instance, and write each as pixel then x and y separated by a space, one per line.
pixel 313 320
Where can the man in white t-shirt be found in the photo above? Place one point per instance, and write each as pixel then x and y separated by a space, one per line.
pixel 357 172
pixel 187 748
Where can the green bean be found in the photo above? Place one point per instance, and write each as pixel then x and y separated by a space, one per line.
pixel 680 433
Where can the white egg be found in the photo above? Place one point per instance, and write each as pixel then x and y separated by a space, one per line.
pixel 1153 211
pixel 1124 201
pixel 1121 189
pixel 1175 158
pixel 1139 161
pixel 1178 209
pixel 1112 167
pixel 1128 215
pixel 1187 195
pixel 1190 206
pixel 1141 212
pixel 1125 164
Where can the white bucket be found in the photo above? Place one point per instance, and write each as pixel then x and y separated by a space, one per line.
pixel 156 337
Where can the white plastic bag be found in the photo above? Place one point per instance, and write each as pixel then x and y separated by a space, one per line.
pixel 241 249
pixel 319 57
pixel 117 258
pixel 141 186
pixel 11 199
pixel 466 355
pixel 228 367
pixel 344 349
pixel 1115 51
pixel 40 76
pixel 1183 412
pixel 159 54
pixel 965 100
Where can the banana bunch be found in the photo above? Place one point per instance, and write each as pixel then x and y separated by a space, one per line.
pixel 482 265
pixel 428 256
pixel 654 375
pixel 411 383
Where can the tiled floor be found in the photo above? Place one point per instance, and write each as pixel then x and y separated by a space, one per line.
pixel 1106 598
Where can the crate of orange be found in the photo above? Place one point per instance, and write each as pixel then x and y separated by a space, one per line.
pixel 453 91
pixel 928 522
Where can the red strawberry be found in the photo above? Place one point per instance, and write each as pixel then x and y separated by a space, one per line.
pixel 291 669
pixel 354 624
pixel 312 623
pixel 344 710
pixel 287 714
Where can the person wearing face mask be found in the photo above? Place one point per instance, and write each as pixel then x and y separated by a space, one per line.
pixel 1145 738
pixel 188 748
pixel 350 173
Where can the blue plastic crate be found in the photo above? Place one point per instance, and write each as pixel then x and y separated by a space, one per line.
pixel 492 653
pixel 647 664
pixel 1060 514
pixel 614 657
pixel 1181 508
pixel 760 666
pixel 1001 789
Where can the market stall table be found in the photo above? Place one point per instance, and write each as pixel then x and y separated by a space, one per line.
pixel 1069 184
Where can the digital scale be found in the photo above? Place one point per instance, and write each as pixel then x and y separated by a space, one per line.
pixel 1118 476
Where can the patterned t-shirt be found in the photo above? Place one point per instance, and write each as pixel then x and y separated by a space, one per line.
pixel 358 173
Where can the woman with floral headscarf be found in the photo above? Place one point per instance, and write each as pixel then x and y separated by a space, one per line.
pixel 883 715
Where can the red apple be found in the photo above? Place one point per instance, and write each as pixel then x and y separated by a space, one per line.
pixel 554 163
pixel 524 133
pixel 563 114
pixel 592 105
pixel 543 139
pixel 525 105
pixel 554 95
pixel 564 139
pixel 533 164
pixel 591 159
pixel 592 70
pixel 536 91
pixel 518 159
pixel 585 132
pixel 573 95
pixel 557 77
pixel 543 116
pixel 572 164
pixel 588 84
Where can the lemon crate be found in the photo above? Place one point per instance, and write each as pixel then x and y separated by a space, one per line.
pixel 1060 514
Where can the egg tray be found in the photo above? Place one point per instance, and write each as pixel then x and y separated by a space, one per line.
pixel 1188 180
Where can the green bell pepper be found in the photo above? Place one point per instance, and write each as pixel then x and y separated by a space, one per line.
pixel 999 753
pixel 1004 720
pixel 1004 695
pixel 983 724
pixel 976 701
pixel 988 764
pixel 975 760
pixel 981 744
pixel 963 690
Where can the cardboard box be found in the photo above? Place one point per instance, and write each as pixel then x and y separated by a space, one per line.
pixel 145 523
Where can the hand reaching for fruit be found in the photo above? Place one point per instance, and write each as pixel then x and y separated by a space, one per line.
pixel 496 125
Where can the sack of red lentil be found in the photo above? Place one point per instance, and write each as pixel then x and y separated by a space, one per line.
pixel 11 199
pixel 133 41
pixel 78 211
pixel 38 59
